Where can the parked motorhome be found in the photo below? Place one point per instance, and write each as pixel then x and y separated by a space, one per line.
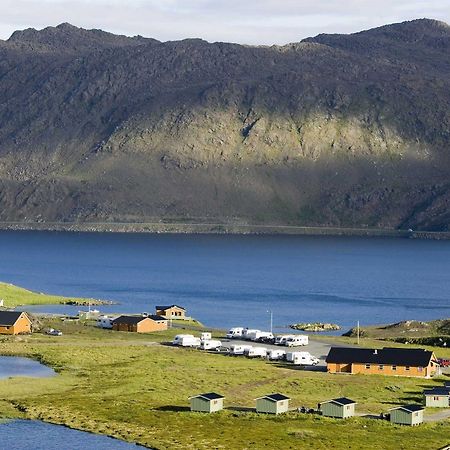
pixel 302 358
pixel 281 339
pixel 105 322
pixel 210 344
pixel 256 352
pixel 186 340
pixel 263 336
pixel 234 333
pixel 238 349
pixel 297 340
pixel 248 334
pixel 276 354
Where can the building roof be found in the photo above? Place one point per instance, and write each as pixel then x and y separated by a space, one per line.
pixel 130 320
pixel 340 401
pixel 208 396
pixel 409 408
pixel 275 397
pixel 156 318
pixel 9 318
pixel 438 391
pixel 416 357
pixel 163 308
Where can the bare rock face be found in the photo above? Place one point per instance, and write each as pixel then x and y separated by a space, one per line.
pixel 337 130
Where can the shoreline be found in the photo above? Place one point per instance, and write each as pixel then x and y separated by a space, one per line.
pixel 218 228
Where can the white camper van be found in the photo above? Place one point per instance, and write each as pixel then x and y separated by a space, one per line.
pixel 235 333
pixel 186 340
pixel 105 322
pixel 260 335
pixel 302 358
pixel 276 354
pixel 249 334
pixel 256 352
pixel 238 349
pixel 210 344
pixel 281 339
pixel 297 340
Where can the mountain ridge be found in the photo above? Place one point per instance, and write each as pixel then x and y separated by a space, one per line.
pixel 347 130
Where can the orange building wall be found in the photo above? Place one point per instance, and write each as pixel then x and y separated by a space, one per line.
pixel 374 369
pixel 22 325
pixel 145 326
pixel 171 312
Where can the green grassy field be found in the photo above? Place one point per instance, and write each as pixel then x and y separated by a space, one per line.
pixel 16 296
pixel 131 387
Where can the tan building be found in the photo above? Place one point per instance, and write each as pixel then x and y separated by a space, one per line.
pixel 14 322
pixel 171 312
pixel 407 362
pixel 139 324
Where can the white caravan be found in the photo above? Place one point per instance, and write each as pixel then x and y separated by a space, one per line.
pixel 235 333
pixel 302 358
pixel 249 334
pixel 238 349
pixel 261 334
pixel 105 322
pixel 297 340
pixel 186 340
pixel 276 354
pixel 210 344
pixel 281 339
pixel 256 352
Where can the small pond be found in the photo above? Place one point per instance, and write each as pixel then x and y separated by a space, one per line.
pixel 36 435
pixel 16 366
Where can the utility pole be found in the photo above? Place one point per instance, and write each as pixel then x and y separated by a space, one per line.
pixel 271 320
pixel 357 332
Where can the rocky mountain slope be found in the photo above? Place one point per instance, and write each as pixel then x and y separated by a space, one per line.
pixel 336 130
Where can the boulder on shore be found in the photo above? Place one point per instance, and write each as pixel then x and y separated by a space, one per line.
pixel 316 326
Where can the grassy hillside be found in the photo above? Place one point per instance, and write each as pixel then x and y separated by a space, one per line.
pixel 16 296
pixel 128 386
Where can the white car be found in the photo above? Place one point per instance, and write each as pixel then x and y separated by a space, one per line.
pixel 53 332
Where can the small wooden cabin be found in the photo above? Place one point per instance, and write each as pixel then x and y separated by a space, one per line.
pixel 139 324
pixel 341 408
pixel 272 404
pixel 14 322
pixel 171 312
pixel 407 415
pixel 437 397
pixel 407 362
pixel 209 402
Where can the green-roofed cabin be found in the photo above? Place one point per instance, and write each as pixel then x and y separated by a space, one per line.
pixel 437 398
pixel 272 404
pixel 340 408
pixel 411 415
pixel 208 403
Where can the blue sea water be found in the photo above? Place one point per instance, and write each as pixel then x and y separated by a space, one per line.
pixel 16 366
pixel 235 280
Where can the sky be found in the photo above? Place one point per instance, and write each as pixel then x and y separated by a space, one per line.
pixel 254 22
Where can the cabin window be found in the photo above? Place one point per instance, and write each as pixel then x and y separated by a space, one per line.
pixel 436 398
pixel 381 367
pixel 215 402
pixel 347 407
pixel 394 367
pixel 420 369
pixel 407 368
pixel 367 366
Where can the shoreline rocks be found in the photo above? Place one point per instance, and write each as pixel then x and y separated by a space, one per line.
pixel 315 327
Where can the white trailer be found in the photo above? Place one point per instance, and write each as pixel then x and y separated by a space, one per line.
pixel 249 334
pixel 276 354
pixel 105 322
pixel 234 333
pixel 256 352
pixel 238 349
pixel 261 335
pixel 302 358
pixel 281 339
pixel 186 340
pixel 205 336
pixel 297 340
pixel 210 344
